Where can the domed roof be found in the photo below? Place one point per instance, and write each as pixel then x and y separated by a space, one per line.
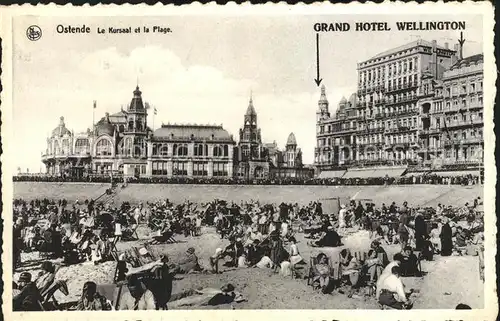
pixel 343 100
pixel 61 129
pixel 104 127
pixel 291 139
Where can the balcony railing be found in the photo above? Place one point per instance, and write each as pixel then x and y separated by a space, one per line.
pixel 462 123
pixel 462 141
pixel 402 87
pixel 402 100
pixel 430 130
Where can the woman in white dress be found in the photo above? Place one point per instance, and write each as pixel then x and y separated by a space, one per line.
pixel 295 257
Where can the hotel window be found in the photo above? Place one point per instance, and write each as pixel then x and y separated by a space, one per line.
pixel 180 150
pixel 82 146
pixel 472 88
pixel 218 151
pixel 220 169
pixel 103 148
pixel 159 168
pixel 200 169
pixel 127 146
pixel 179 168
pixel 163 150
pixel 57 149
pixel 200 150
pixel 65 146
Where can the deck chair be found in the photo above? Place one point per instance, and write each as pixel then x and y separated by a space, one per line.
pixel 130 234
pixel 113 251
pixel 312 274
pixel 48 295
pixel 360 256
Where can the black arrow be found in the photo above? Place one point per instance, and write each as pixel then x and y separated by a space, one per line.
pixel 317 80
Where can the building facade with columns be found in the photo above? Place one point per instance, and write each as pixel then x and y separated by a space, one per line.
pixel 124 144
pixel 288 161
pixel 452 115
pixel 399 113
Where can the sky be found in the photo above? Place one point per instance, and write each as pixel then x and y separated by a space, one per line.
pixel 203 72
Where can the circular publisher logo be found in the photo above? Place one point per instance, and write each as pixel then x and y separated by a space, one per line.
pixel 34 33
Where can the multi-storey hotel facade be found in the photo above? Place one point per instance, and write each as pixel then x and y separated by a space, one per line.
pixel 452 114
pixel 397 115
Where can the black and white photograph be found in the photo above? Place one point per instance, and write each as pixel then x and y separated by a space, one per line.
pixel 249 160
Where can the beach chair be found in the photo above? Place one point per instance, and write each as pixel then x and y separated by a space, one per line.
pixel 313 274
pixel 113 251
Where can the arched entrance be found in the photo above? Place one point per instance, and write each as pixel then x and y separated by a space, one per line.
pixel 258 172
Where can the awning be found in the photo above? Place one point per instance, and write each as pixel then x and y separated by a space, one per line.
pixel 456 173
pixel 331 174
pixel 377 172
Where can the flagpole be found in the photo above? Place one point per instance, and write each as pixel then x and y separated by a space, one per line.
pixel 93 115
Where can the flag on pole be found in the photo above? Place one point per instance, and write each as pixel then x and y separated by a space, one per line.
pixel 95 104
pixel 155 111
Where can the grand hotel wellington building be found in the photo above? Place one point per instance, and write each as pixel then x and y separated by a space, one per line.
pixel 123 144
pixel 417 105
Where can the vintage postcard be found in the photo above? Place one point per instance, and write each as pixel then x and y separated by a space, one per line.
pixel 243 162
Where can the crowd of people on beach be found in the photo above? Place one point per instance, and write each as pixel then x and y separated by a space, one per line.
pixel 262 236
pixel 408 179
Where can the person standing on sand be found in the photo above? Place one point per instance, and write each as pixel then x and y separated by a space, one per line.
pixel 446 238
pixel 276 249
pixel 420 231
pixel 342 214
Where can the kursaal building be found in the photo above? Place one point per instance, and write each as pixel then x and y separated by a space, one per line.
pixel 419 105
pixel 124 144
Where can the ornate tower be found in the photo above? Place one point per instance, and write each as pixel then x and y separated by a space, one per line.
pixel 250 138
pixel 291 150
pixel 322 106
pixel 136 129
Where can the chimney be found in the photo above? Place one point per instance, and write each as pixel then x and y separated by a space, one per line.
pixel 446 46
pixel 434 57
